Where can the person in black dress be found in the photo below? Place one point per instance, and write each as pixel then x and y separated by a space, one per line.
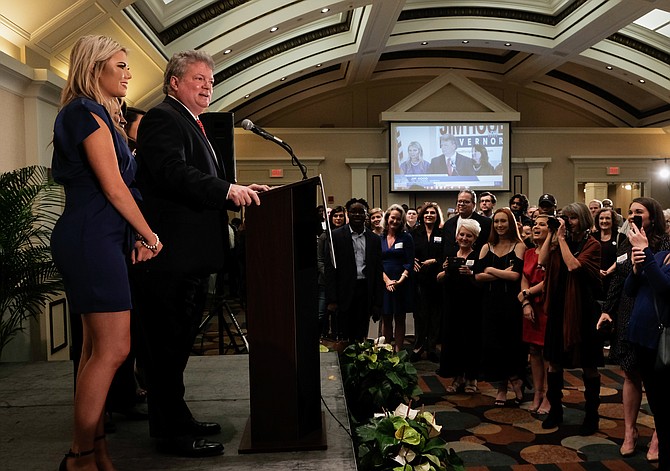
pixel 95 235
pixel 427 237
pixel 461 338
pixel 498 271
pixel 607 233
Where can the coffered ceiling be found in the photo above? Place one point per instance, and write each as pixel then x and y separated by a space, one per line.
pixel 609 57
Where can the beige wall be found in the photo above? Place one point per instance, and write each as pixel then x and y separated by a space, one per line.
pixel 29 99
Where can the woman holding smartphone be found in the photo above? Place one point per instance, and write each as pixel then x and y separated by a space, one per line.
pixel 461 342
pixel 645 213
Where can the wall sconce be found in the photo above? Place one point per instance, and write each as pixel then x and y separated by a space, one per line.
pixel 664 173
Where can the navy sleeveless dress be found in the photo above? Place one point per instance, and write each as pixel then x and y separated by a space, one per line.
pixel 91 241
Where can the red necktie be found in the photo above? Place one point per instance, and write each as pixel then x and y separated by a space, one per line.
pixel 202 128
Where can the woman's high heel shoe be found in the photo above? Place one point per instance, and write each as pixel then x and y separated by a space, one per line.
pixel 519 388
pixel 626 452
pixel 71 454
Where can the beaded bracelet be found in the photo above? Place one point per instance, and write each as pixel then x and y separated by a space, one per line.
pixel 150 247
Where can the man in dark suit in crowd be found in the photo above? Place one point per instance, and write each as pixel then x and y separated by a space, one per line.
pixel 449 161
pixel 356 287
pixel 465 208
pixel 185 196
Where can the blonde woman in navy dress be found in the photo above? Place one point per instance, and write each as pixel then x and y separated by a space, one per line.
pixel 100 229
pixel 398 262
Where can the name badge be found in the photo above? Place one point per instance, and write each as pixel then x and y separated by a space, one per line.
pixel 437 239
pixel 399 245
pixel 469 263
pixel 622 258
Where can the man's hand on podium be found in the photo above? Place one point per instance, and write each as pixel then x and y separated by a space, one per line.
pixel 246 195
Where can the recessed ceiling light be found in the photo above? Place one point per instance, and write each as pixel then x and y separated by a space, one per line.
pixel 423 43
pixel 318 65
pixel 325 10
pixel 508 44
pixel 465 41
pixel 609 67
pixel 282 79
pixel 641 81
pixel 247 96
pixel 227 51
pixel 273 29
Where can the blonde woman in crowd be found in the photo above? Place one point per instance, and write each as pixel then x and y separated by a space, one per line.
pixel 531 298
pixel 376 221
pixel 398 263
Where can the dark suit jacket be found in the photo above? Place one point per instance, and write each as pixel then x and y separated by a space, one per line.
pixel 449 246
pixel 184 191
pixel 464 166
pixel 340 282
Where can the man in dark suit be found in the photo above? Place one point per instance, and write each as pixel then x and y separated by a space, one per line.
pixel 185 196
pixel 465 208
pixel 356 287
pixel 449 161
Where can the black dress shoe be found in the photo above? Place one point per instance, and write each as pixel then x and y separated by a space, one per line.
pixel 203 428
pixel 190 447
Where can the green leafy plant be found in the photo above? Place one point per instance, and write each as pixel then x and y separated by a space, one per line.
pixel 406 440
pixel 377 378
pixel 29 207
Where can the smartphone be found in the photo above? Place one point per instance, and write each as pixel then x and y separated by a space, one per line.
pixel 637 220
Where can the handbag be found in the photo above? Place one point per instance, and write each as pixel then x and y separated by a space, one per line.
pixel 663 350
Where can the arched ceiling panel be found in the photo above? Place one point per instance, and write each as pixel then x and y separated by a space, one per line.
pixel 558 47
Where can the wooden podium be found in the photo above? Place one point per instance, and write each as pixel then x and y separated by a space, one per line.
pixel 282 322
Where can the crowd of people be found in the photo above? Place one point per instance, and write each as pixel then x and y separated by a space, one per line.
pixel 499 290
pixel 514 296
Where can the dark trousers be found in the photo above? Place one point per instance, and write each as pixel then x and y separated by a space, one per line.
pixel 170 308
pixel 353 323
pixel 657 387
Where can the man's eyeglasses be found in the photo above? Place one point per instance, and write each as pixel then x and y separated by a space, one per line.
pixel 463 202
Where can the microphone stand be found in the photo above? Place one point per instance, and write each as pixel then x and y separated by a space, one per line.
pixel 294 159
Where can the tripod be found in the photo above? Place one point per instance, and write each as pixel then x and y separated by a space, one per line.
pixel 227 322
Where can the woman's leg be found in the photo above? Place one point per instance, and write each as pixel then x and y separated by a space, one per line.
pixel 387 327
pixel 399 319
pixel 501 395
pixel 537 369
pixel 106 345
pixel 632 398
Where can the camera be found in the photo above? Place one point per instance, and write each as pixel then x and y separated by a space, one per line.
pixel 454 265
pixel 554 224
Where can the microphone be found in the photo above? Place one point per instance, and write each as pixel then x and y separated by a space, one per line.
pixel 250 126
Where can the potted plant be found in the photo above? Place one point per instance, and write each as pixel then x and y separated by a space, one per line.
pixel 376 377
pixel 405 440
pixel 29 207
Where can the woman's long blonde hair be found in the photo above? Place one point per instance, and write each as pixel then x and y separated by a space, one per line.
pixel 87 59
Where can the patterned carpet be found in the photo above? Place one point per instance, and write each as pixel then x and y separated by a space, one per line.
pixel 511 438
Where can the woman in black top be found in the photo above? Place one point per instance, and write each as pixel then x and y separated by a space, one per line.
pixel 427 252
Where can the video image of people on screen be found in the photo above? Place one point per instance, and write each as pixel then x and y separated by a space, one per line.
pixel 449 156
